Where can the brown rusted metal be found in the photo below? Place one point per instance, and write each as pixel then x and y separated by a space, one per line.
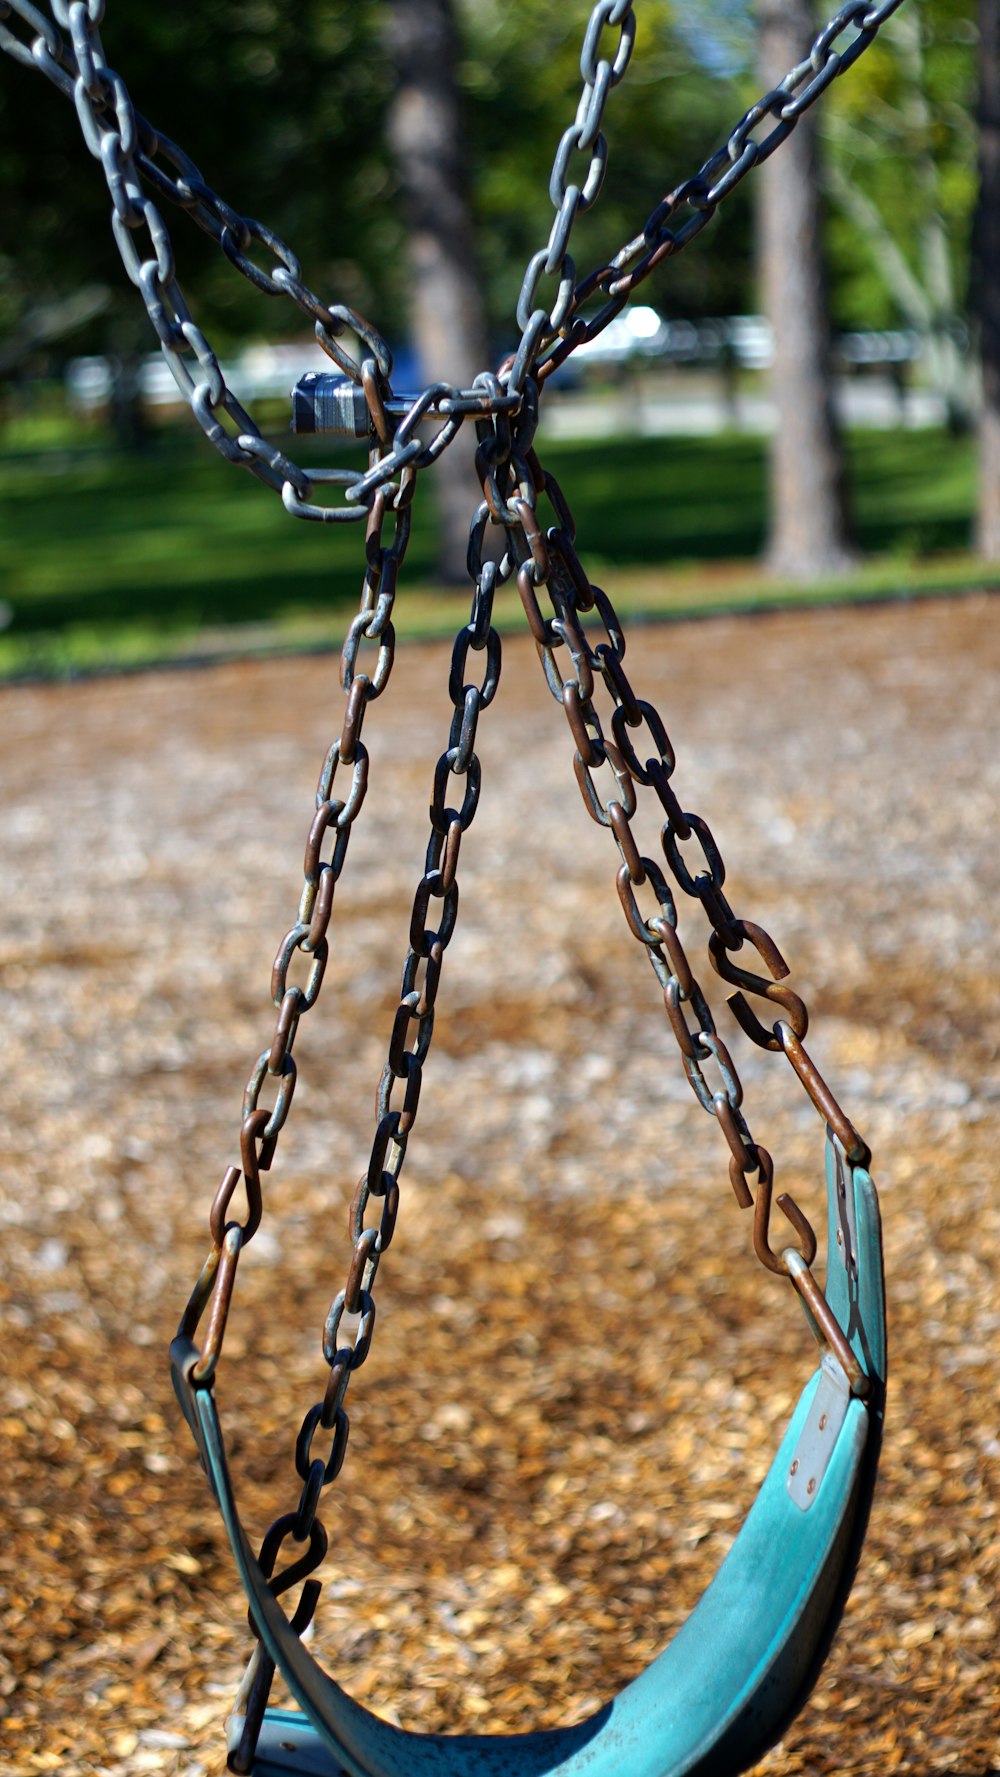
pixel 737 1171
pixel 534 536
pixel 678 1023
pixel 622 727
pixel 200 1296
pixel 617 682
pixel 390 1210
pixel 771 991
pixel 647 932
pixel 221 1301
pixel 320 920
pixel 659 779
pixel 670 940
pixel 762 1219
pixel 363 1248
pixel 382 425
pixel 357 697
pixel 538 625
pixel 217 1221
pixel 618 821
pixel 826 1321
pixel 590 754
pixel 284 1031
pixel 857 1151
pixel 737 1135
pixel 624 787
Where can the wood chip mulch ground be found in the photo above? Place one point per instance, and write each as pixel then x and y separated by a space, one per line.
pixel 579 1371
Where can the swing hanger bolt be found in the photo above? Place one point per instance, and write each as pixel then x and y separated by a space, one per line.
pixel 337 407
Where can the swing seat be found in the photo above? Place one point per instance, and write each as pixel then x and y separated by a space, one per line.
pixel 741 1666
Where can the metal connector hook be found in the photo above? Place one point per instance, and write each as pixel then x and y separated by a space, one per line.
pixel 762 1220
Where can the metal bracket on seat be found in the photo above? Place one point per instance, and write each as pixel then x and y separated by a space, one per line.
pixel 845 1247
pixel 287 1745
pixel 822 1428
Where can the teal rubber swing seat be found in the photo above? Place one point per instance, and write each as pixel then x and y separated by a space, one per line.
pixel 742 1665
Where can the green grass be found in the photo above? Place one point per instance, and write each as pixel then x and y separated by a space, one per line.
pixel 115 559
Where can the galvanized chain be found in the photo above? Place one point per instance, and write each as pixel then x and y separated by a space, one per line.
pixel 130 149
pixel 570 197
pixel 688 208
pixel 610 773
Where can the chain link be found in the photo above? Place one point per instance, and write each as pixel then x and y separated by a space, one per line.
pixel 350 1321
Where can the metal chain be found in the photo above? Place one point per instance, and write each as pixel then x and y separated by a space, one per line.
pixel 547 342
pixel 641 757
pixel 307 938
pixel 130 149
pixel 454 800
pixel 583 136
pixel 611 774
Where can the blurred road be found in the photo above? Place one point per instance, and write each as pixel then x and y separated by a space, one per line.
pixel 683 411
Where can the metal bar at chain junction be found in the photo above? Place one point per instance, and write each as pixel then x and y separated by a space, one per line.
pixel 130 149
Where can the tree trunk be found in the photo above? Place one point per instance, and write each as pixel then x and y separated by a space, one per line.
pixel 947 368
pixel 426 137
pixel 987 277
pixel 809 529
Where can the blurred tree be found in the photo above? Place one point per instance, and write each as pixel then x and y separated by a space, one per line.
pixel 809 532
pixel 678 101
pixel 281 107
pixel 900 135
pixel 446 304
pixel 987 279
pixel 284 110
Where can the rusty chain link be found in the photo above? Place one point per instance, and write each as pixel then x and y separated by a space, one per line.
pixel 641 758
pixel 581 646
pixel 331 824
